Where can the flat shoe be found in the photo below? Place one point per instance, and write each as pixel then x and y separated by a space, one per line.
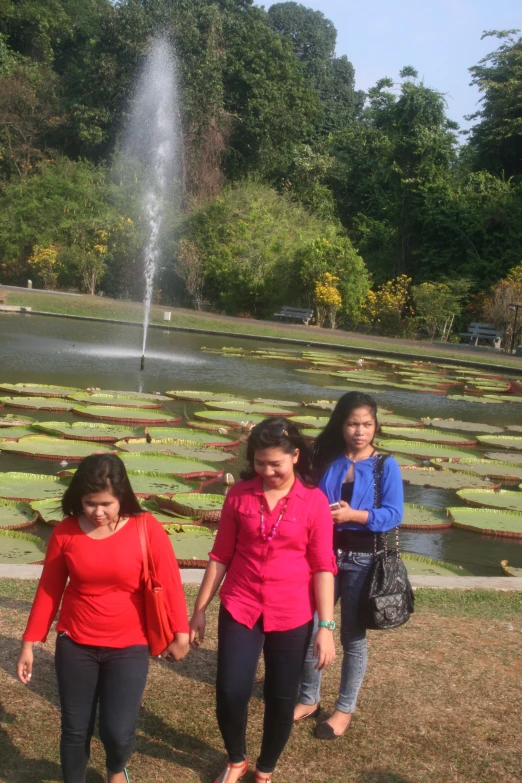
pixel 124 772
pixel 243 766
pixel 309 714
pixel 326 732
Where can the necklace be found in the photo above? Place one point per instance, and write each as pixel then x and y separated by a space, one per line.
pixel 275 528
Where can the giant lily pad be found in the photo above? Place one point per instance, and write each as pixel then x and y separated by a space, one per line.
pixel 230 418
pixel 190 436
pixel 247 408
pixel 504 441
pixel 166 463
pixel 97 398
pixel 48 511
pixel 314 422
pixel 14 420
pixel 37 389
pixel 18 548
pixel 323 405
pixel 430 435
pixel 489 521
pixel 30 486
pixel 502 498
pixel 85 430
pixel 392 420
pixel 493 469
pixel 127 415
pixel 276 403
pixel 510 570
pixel 15 515
pixel 14 433
pixel 146 484
pixel 199 396
pixel 417 565
pixel 464 426
pixel 45 447
pixel 443 479
pixel 422 450
pixel 191 550
pixel 405 461
pixel 163 516
pixel 38 403
pixel 204 506
pixel 141 445
pixel 485 400
pixel 424 518
pixel 503 398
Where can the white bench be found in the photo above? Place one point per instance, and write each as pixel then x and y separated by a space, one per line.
pixel 487 332
pixel 303 314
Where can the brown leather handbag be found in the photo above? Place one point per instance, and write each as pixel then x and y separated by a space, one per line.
pixel 159 632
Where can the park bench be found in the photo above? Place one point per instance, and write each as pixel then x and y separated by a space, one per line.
pixel 485 332
pixel 303 314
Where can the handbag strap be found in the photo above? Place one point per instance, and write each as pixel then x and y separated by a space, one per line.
pixel 145 548
pixel 378 469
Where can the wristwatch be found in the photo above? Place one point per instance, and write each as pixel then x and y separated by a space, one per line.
pixel 330 624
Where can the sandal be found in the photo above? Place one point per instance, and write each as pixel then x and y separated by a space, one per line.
pixel 310 714
pixel 242 765
pixel 267 777
pixel 124 772
pixel 326 732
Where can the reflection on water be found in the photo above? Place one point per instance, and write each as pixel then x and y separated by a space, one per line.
pixel 40 349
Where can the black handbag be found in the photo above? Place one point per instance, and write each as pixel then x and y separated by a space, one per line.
pixel 390 598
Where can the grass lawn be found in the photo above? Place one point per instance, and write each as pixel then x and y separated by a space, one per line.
pixel 116 309
pixel 440 704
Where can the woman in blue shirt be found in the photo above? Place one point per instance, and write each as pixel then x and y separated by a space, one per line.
pixel 344 457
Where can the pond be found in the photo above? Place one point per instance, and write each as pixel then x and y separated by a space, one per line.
pixel 58 351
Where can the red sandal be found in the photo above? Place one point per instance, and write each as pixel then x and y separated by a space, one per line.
pixel 267 777
pixel 243 766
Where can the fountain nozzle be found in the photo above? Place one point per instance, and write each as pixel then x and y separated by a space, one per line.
pixel 142 363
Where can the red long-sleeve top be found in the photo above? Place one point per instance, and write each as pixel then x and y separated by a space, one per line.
pixel 273 577
pixel 103 602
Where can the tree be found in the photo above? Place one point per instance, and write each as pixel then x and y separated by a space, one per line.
pixel 191 269
pixel 387 309
pixel 496 139
pixel 495 305
pixel 44 262
pixel 327 299
pixel 437 304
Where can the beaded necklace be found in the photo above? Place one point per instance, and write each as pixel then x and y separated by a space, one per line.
pixel 275 528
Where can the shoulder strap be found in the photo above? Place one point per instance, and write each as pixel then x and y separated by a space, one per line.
pixel 378 468
pixel 142 533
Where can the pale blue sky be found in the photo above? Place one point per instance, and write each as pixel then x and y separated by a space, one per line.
pixel 440 38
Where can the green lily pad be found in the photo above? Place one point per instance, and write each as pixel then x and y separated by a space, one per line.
pixel 97 398
pixel 85 430
pixel 127 415
pixel 200 396
pixel 14 433
pixel 206 506
pixel 49 511
pixel 19 548
pixel 513 457
pixel 229 418
pixel 247 408
pixel 276 403
pixel 391 420
pixel 503 398
pixel 162 516
pixel 417 565
pixel 165 463
pixel 38 403
pixel 424 518
pixel 484 400
pixel 315 422
pixel 504 441
pixel 146 484
pixel 430 435
pixel 422 450
pixel 501 498
pixel 323 405
pixel 30 486
pixel 464 426
pixel 14 420
pixel 141 445
pixel 189 435
pixel 489 521
pixel 405 461
pixel 510 570
pixel 15 515
pixel 37 389
pixel 191 549
pixel 45 447
pixel 443 479
pixel 493 469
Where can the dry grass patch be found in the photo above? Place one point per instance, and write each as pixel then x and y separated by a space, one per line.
pixel 440 704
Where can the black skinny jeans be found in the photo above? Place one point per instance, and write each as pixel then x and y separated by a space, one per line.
pixel 239 649
pixel 113 677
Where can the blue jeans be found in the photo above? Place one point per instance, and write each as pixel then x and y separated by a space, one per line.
pixel 350 583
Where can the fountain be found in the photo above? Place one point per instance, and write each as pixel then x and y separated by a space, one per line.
pixel 152 144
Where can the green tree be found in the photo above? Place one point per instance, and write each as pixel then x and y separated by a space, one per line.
pixel 438 304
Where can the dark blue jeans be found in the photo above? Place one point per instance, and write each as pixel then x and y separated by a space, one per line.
pixel 239 649
pixel 87 676
pixel 351 583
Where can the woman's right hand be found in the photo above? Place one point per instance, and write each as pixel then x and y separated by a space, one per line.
pixel 197 628
pixel 24 665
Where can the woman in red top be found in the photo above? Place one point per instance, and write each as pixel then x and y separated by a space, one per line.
pixel 274 543
pixel 101 648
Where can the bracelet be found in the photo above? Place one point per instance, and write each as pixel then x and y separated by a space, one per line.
pixel 330 624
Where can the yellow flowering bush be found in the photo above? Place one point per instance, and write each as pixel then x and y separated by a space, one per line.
pixel 387 307
pixel 44 262
pixel 327 298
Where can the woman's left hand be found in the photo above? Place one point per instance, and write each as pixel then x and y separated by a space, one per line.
pixel 178 649
pixel 324 648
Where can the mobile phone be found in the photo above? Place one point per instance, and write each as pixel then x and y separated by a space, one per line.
pixel 334 506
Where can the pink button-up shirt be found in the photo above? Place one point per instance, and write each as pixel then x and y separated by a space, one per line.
pixel 273 577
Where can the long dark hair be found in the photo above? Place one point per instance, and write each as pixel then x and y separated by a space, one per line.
pixel 278 433
pixel 100 473
pixel 330 443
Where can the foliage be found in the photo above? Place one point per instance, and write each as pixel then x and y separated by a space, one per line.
pixel 327 298
pixel 495 305
pixel 387 308
pixel 44 262
pixel 191 269
pixel 437 304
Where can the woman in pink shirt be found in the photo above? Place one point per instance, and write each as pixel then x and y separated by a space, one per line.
pixel 274 544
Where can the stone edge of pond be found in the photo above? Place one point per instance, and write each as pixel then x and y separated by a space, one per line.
pixel 195 575
pixel 292 341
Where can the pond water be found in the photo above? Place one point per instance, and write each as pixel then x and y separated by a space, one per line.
pixel 47 350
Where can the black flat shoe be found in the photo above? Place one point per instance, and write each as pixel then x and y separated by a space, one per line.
pixel 325 732
pixel 310 714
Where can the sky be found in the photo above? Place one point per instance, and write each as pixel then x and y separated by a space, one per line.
pixel 440 38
